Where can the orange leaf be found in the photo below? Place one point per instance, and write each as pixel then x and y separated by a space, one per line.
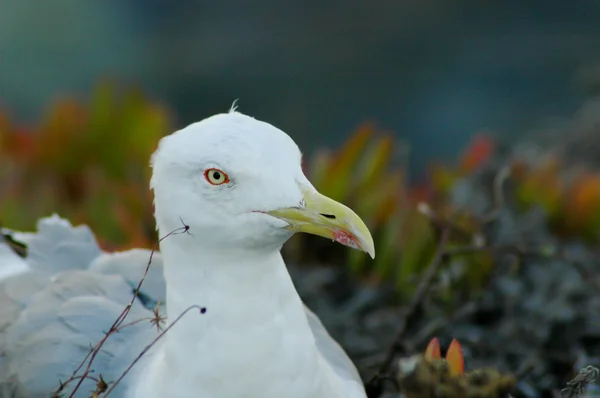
pixel 20 145
pixel 455 359
pixel 433 350
pixel 540 185
pixel 342 168
pixel 586 195
pixel 374 163
pixel 479 151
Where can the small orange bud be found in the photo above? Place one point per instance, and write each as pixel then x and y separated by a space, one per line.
pixel 433 350
pixel 455 359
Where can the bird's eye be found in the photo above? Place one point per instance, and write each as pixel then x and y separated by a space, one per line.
pixel 216 176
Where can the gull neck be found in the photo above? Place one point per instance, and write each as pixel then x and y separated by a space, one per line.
pixel 223 280
pixel 253 340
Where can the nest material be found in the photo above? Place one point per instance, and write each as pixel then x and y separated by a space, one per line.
pixel 421 378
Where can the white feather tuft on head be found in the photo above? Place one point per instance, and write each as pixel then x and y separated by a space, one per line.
pixel 234 106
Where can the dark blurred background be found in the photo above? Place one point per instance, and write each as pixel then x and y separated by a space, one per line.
pixel 453 80
pixel 435 72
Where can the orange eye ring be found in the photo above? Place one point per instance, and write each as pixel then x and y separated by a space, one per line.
pixel 216 176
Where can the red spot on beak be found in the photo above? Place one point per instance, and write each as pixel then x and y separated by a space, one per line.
pixel 346 239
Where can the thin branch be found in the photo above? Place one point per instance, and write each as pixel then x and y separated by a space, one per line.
pixel 115 327
pixel 201 310
pixel 527 366
pixel 441 323
pixel 128 324
pixel 415 304
pixel 498 195
pixel 576 387
pixel 585 273
pixel 474 249
pixel 442 224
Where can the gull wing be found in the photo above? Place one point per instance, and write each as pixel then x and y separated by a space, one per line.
pixel 69 293
pixel 336 357
pixel 54 311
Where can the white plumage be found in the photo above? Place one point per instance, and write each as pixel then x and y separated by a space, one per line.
pixel 256 339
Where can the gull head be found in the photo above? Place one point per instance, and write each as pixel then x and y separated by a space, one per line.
pixel 238 184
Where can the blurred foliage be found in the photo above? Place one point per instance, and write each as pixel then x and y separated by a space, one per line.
pixel 432 375
pixel 361 176
pixel 570 197
pixel 454 356
pixel 368 173
pixel 88 161
pixel 405 220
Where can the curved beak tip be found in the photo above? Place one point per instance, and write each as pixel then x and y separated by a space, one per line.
pixel 368 246
pixel 370 251
pixel 361 240
pixel 325 217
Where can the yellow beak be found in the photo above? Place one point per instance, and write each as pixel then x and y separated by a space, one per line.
pixel 322 216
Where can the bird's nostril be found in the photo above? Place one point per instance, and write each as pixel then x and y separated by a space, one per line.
pixel 330 216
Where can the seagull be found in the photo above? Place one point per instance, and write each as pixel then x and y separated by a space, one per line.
pixel 236 186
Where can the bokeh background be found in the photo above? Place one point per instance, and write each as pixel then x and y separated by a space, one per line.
pixel 433 71
pixel 88 88
pixel 481 118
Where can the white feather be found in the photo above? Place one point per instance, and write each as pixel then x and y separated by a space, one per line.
pixel 256 339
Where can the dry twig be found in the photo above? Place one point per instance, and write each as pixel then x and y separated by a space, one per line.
pixel 412 310
pixel 498 195
pixel 202 310
pixel 115 327
pixel 576 387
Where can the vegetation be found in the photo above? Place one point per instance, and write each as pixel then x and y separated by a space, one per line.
pixel 88 161
pixel 438 243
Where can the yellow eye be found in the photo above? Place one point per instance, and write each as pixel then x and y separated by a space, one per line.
pixel 216 176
